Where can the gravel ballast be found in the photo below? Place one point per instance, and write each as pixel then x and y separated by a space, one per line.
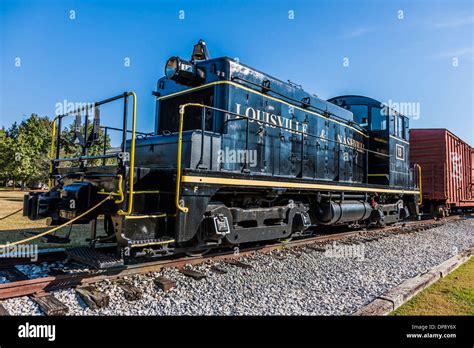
pixel 300 281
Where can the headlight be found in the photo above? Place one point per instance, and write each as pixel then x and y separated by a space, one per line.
pixel 182 71
pixel 171 67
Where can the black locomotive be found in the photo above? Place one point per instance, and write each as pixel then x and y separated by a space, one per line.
pixel 237 156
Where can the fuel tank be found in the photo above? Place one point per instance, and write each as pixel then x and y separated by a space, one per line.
pixel 330 213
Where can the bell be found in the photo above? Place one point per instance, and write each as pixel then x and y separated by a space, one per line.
pixel 200 51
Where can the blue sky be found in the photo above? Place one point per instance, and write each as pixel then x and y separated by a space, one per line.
pixel 408 60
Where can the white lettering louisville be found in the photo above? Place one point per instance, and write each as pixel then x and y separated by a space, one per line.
pixel 291 125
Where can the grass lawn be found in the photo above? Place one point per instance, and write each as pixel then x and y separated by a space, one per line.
pixel 451 295
pixel 13 228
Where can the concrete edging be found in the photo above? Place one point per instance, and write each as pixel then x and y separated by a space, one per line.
pixel 395 297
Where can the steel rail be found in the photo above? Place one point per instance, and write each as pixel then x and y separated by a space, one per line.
pixel 63 281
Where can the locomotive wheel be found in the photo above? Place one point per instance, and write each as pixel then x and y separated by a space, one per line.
pixel 198 253
pixel 198 240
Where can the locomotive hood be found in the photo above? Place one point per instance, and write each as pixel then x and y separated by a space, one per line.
pixel 183 74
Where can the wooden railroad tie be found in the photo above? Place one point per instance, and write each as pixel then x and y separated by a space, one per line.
pixel 239 264
pixel 93 297
pixel 193 274
pixel 130 292
pixel 316 248
pixel 3 311
pixel 13 274
pixel 49 304
pixel 218 270
pixel 164 284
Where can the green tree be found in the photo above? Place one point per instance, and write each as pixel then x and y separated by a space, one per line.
pixel 31 141
pixel 6 156
pixel 25 150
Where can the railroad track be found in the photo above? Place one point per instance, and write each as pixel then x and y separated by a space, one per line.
pixel 38 289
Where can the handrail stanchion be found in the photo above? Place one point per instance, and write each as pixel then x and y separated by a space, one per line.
pixel 182 110
pixel 124 129
pixel 105 145
pixel 420 183
pixel 131 173
pixel 246 168
pixel 302 153
pixel 51 154
pixel 367 163
pixel 84 149
pixel 58 144
pixel 203 126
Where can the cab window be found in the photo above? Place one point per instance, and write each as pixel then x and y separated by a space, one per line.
pixel 393 123
pixel 400 127
pixel 378 120
pixel 169 111
pixel 361 114
pixel 405 128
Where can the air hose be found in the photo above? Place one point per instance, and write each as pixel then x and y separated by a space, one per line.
pixel 57 227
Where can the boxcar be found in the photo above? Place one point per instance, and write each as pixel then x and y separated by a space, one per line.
pixel 447 164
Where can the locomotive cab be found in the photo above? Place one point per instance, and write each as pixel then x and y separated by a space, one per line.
pixel 388 139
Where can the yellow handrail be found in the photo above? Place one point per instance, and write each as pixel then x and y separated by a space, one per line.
pixel 420 183
pixel 132 159
pixel 182 109
pixel 119 193
pixel 120 190
pixel 51 155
